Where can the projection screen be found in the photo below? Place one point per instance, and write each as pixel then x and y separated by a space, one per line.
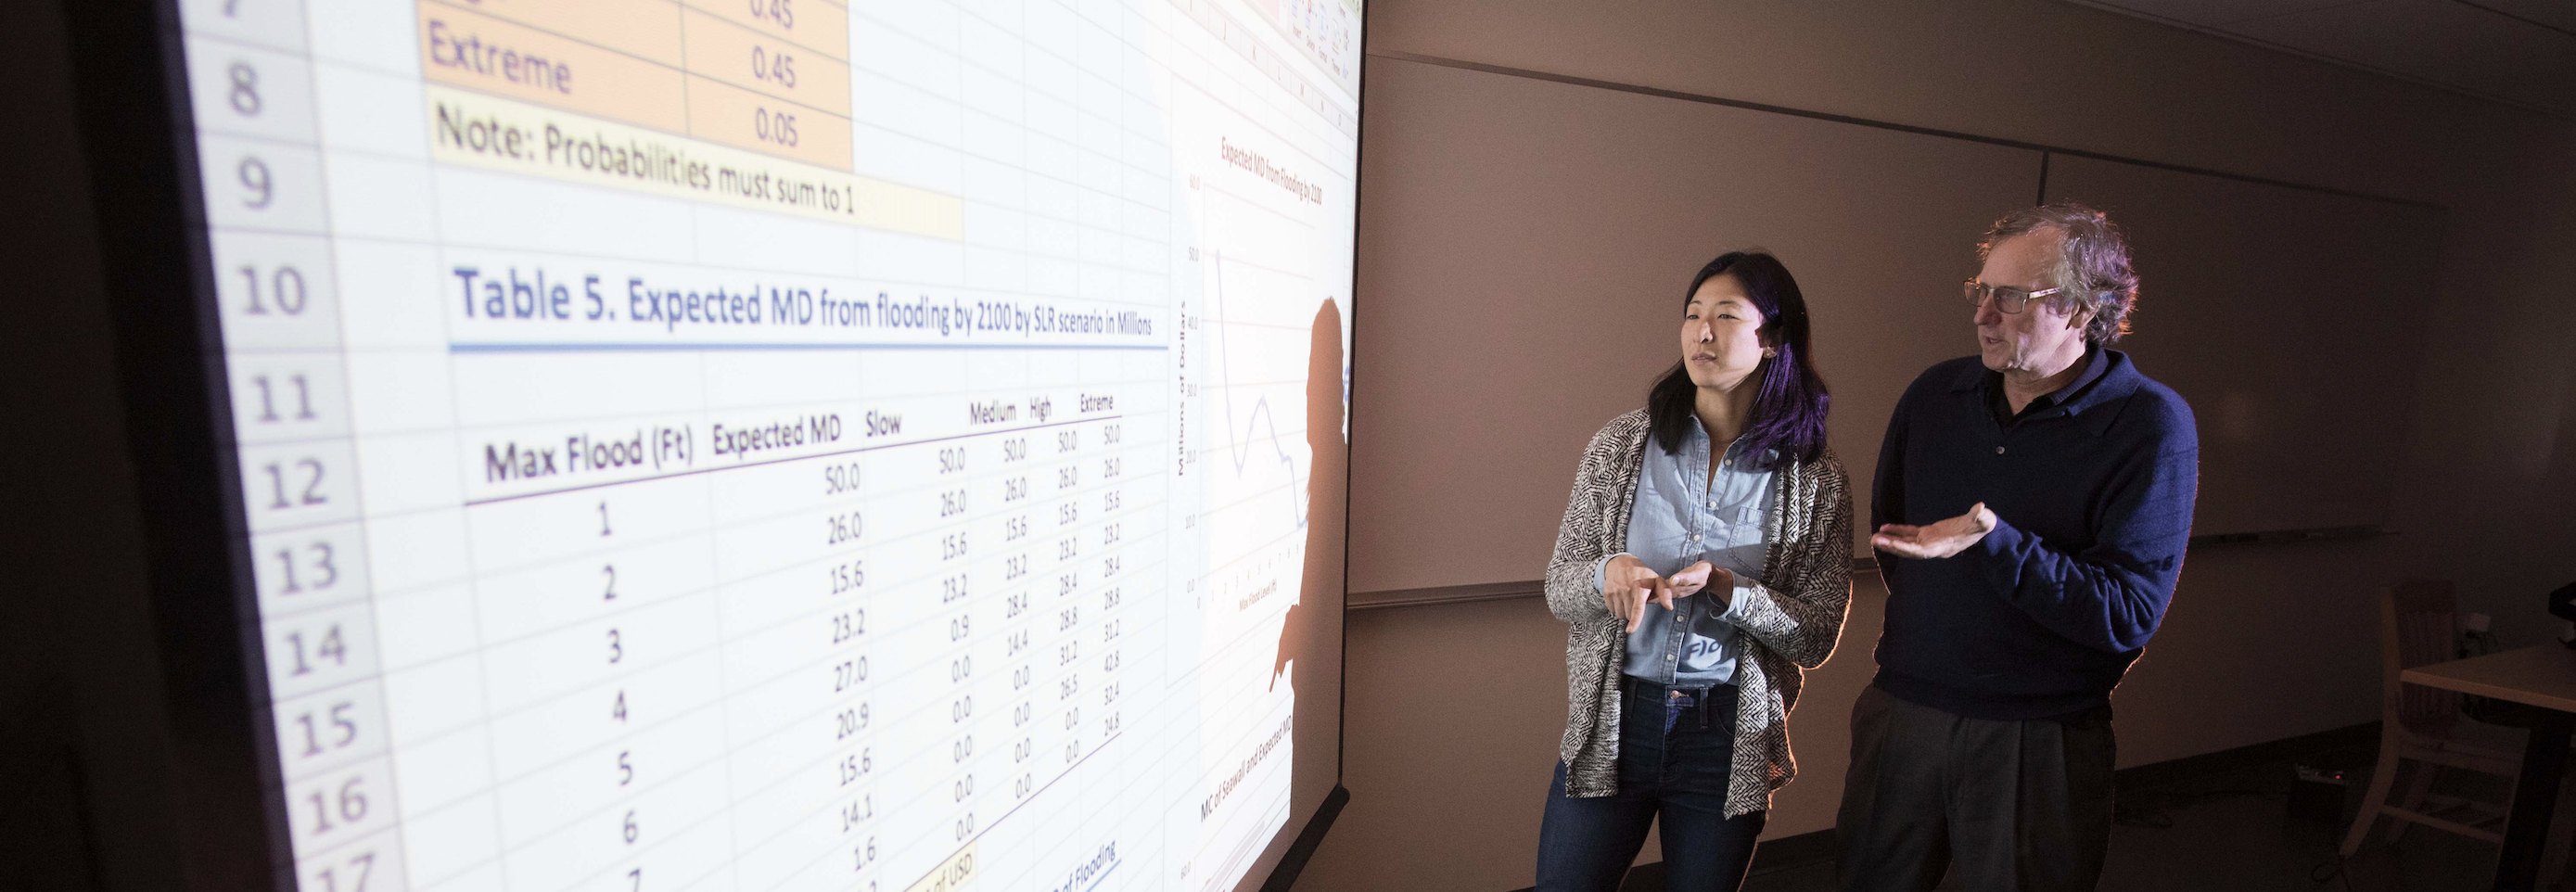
pixel 779 444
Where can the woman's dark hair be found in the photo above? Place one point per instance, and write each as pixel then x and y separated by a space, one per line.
pixel 1789 410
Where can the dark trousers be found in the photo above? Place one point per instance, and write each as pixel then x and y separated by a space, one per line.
pixel 2011 806
pixel 1676 752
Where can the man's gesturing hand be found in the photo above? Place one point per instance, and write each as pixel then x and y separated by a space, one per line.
pixel 1938 540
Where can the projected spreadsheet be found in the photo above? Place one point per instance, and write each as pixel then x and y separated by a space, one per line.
pixel 770 444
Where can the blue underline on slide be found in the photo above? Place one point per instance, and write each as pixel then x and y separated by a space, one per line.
pixel 1103 874
pixel 663 347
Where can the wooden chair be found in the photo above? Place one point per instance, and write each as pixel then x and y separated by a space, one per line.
pixel 2424 725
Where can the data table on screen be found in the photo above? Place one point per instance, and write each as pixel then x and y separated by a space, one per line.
pixel 775 444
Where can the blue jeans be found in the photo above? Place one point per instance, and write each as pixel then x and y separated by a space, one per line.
pixel 1675 755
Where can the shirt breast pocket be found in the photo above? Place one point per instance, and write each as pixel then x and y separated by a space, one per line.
pixel 1751 522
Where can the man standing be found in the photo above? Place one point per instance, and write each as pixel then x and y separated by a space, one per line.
pixel 2032 503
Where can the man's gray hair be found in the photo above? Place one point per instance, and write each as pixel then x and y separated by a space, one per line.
pixel 2091 263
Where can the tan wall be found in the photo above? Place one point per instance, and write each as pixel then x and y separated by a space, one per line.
pixel 1453 710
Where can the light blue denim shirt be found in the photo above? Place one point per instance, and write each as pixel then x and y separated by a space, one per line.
pixel 1684 516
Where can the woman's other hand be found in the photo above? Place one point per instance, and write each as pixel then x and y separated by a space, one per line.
pixel 1702 576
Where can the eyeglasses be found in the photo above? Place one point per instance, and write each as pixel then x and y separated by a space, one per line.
pixel 2007 300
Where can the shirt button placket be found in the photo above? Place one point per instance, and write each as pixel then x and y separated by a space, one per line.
pixel 1673 642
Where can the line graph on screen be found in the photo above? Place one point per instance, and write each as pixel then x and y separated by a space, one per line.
pixel 1240 437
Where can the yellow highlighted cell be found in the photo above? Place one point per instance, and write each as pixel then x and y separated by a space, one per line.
pixel 763 64
pixel 647 28
pixel 813 24
pixel 473 129
pixel 952 875
pixel 735 116
pixel 473 50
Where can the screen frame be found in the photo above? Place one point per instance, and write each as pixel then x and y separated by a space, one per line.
pixel 1283 876
pixel 136 123
pixel 137 128
pixel 1341 795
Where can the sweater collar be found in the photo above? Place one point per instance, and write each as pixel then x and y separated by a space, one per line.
pixel 2108 377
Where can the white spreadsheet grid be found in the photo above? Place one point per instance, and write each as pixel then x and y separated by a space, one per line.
pixel 526 626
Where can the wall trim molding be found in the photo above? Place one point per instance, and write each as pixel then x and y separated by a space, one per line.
pixel 1532 588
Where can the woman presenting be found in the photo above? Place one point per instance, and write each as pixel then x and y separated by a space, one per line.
pixel 1705 558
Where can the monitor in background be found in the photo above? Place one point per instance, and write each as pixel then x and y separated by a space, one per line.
pixel 770 444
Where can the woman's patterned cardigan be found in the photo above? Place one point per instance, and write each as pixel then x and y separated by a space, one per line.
pixel 1792 619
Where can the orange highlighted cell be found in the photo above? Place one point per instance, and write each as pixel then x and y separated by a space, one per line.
pixel 816 25
pixel 480 52
pixel 728 114
pixel 764 64
pixel 646 28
